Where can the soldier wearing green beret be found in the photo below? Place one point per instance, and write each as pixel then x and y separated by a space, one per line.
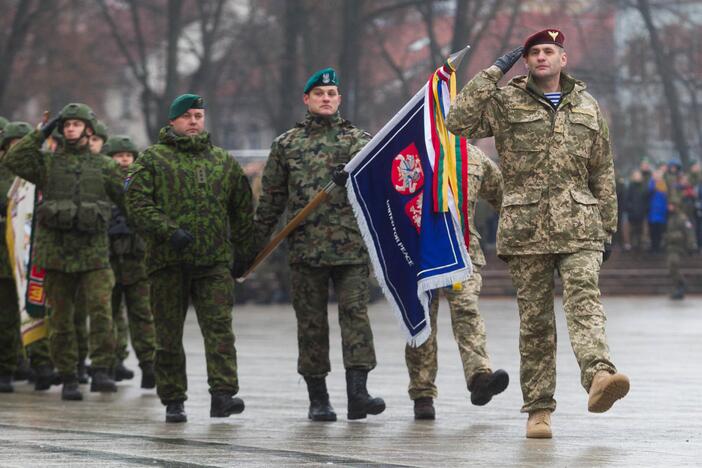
pixel 192 203
pixel 326 247
pixel 10 342
pixel 71 242
pixel 128 259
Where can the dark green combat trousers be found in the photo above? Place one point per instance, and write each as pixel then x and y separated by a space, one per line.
pixel 211 290
pixel 310 290
pixel 141 322
pixel 9 327
pixel 94 288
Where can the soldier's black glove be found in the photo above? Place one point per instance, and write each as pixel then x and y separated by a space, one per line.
pixel 240 267
pixel 508 60
pixel 180 239
pixel 607 251
pixel 340 176
pixel 49 127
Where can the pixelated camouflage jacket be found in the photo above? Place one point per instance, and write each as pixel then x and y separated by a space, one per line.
pixel 484 181
pixel 679 236
pixel 187 182
pixel 557 167
pixel 6 180
pixel 301 162
pixel 69 251
pixel 127 248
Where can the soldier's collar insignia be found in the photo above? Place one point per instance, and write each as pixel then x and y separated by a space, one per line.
pixel 553 34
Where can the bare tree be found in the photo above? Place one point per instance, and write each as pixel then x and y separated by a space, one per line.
pixel 25 14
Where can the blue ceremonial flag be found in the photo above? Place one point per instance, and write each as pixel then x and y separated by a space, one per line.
pixel 414 249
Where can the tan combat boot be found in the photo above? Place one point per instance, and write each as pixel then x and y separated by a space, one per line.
pixel 539 425
pixel 605 389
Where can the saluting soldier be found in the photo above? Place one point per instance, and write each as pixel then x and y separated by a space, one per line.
pixel 484 181
pixel 71 241
pixel 10 340
pixel 559 212
pixel 192 203
pixel 326 247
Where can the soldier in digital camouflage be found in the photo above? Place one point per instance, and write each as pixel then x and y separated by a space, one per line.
pixel 71 240
pixel 326 247
pixel 484 181
pixel 559 212
pixel 10 342
pixel 191 202
pixel 679 240
pixel 128 259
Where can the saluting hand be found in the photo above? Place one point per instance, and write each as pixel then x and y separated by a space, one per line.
pixel 508 60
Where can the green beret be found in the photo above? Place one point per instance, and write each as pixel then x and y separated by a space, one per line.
pixel 326 77
pixel 183 103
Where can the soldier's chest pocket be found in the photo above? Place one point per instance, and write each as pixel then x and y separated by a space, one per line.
pixel 581 132
pixel 530 130
pixel 301 171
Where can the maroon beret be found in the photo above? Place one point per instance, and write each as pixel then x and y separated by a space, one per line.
pixel 547 36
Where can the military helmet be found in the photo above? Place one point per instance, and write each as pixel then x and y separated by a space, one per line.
pixel 14 130
pixel 101 130
pixel 78 111
pixel 120 144
pixel 3 122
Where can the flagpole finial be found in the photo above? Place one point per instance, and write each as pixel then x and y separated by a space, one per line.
pixel 455 59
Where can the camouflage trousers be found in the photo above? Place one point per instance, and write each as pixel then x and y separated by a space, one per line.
pixel 63 290
pixel 211 290
pixel 39 353
pixel 141 322
pixel 10 342
pixel 468 330
pixel 533 278
pixel 676 276
pixel 80 319
pixel 310 295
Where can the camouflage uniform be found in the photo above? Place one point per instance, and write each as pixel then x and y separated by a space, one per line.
pixel 679 240
pixel 10 343
pixel 128 259
pixel 326 246
pixel 485 181
pixel 186 182
pixel 71 241
pixel 558 209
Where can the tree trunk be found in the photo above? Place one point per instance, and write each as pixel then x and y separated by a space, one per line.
pixel 352 34
pixel 289 90
pixel 666 72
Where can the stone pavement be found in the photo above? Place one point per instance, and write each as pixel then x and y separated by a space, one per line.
pixel 657 342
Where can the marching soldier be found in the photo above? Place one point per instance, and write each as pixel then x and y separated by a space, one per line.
pixel 485 181
pixel 679 240
pixel 71 240
pixel 128 259
pixel 192 203
pixel 559 212
pixel 10 342
pixel 327 246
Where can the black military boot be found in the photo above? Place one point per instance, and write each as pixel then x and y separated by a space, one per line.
pixel 23 371
pixel 148 377
pixel 679 293
pixel 44 378
pixel 361 403
pixel 102 382
pixel 83 377
pixel 224 405
pixel 6 384
pixel 175 412
pixel 70 390
pixel 424 408
pixel 122 373
pixel 484 385
pixel 320 408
